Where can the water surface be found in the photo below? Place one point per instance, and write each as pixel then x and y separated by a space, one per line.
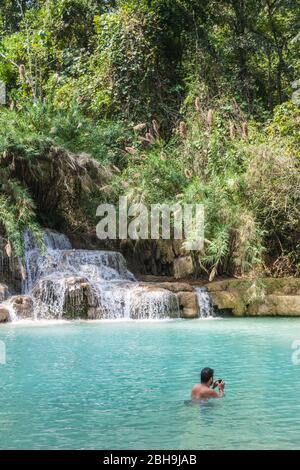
pixel 125 385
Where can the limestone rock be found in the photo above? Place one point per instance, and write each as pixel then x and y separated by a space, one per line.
pixel 3 292
pixel 229 300
pixel 171 286
pixel 277 305
pixel 282 286
pixel 22 305
pixel 94 313
pixel 178 286
pixel 188 304
pixel 78 297
pixel 265 297
pixel 4 314
pixel 279 286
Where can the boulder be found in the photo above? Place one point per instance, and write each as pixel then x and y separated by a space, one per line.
pixel 73 293
pixel 22 305
pixel 78 298
pixel 188 304
pixel 229 300
pixel 4 314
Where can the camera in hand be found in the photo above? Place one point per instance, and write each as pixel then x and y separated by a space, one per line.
pixel 218 382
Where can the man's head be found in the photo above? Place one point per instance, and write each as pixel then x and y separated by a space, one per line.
pixel 207 376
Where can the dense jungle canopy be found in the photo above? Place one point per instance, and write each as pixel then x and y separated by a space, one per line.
pixel 162 101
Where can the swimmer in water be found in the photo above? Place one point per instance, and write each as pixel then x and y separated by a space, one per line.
pixel 206 389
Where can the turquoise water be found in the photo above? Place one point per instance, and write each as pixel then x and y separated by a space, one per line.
pixel 122 385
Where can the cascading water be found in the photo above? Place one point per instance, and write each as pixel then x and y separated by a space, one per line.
pixel 63 281
pixel 205 306
pixel 36 259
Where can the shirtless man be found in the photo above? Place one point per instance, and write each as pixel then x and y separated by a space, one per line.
pixel 205 389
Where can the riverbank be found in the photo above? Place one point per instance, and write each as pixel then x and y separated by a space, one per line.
pixel 266 297
pixel 72 280
pixel 241 297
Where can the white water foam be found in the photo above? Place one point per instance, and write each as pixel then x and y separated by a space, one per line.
pixel 59 275
pixel 205 306
pixel 67 283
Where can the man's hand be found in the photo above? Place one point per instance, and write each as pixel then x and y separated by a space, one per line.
pixel 221 385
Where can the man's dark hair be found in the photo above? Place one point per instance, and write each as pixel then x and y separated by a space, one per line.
pixel 206 374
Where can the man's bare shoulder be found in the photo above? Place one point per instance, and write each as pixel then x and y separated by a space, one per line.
pixel 199 391
pixel 196 388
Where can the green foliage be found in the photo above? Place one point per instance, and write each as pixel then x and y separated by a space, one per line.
pixel 273 185
pixel 17 212
pixel 82 74
pixel 42 180
pixel 133 70
pixel 204 166
pixel 150 178
pixel 70 129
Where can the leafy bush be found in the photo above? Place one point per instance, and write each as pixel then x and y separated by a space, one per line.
pixel 245 175
pixel 42 181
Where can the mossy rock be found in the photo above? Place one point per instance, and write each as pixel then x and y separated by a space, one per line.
pixel 260 297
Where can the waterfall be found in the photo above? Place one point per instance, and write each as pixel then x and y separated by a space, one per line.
pixel 205 306
pixel 64 282
pixel 35 257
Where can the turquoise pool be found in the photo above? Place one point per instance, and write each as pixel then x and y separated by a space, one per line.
pixel 123 385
